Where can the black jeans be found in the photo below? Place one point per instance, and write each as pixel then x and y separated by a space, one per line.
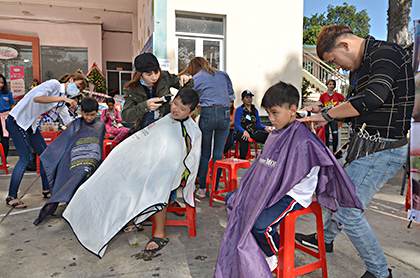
pixel 334 131
pixel 4 142
pixel 259 136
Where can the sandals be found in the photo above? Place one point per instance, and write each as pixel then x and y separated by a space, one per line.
pixel 15 205
pixel 46 194
pixel 159 241
pixel 133 228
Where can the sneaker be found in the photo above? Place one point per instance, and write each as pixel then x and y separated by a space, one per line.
pixel 370 275
pixel 272 262
pixel 201 193
pixel 175 204
pixel 312 242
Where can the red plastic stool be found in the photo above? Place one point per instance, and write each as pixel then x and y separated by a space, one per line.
pixel 49 136
pixel 248 155
pixel 286 266
pixel 210 174
pixel 107 147
pixel 232 165
pixel 107 135
pixel 189 221
pixel 3 159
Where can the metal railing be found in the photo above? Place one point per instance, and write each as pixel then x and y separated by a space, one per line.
pixel 322 71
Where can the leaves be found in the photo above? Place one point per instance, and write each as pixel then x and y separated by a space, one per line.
pixel 342 15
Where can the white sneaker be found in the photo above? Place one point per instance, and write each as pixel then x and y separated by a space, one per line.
pixel 201 193
pixel 272 262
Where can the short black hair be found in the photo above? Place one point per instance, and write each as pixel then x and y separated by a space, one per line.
pixel 108 100
pixel 188 96
pixel 89 104
pixel 279 94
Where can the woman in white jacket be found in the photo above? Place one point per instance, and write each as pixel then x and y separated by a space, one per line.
pixel 22 125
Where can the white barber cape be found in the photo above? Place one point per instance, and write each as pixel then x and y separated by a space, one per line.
pixel 135 180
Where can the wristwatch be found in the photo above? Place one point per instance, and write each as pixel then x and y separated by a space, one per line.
pixel 326 116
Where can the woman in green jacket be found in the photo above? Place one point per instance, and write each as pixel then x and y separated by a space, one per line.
pixel 145 94
pixel 147 99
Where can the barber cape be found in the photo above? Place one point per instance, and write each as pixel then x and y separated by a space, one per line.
pixel 135 181
pixel 69 160
pixel 288 156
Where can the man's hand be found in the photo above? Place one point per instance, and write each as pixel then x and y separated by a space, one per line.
pixel 318 120
pixel 312 108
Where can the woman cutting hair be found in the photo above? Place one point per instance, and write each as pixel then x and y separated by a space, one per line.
pixel 22 125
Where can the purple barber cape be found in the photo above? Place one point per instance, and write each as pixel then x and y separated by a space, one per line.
pixel 288 156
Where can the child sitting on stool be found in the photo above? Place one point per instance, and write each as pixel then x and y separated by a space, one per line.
pixel 112 119
pixel 294 163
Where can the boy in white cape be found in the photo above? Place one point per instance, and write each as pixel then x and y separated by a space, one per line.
pixel 135 180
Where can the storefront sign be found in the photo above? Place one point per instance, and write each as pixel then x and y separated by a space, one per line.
pixel 7 52
pixel 17 81
pixel 165 64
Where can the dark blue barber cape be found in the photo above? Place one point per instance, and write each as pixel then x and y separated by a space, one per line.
pixel 70 160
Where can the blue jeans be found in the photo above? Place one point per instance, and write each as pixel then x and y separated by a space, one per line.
pixel 214 123
pixel 368 174
pixel 23 140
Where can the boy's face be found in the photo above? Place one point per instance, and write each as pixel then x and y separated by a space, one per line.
pixel 89 116
pixel 179 110
pixel 280 116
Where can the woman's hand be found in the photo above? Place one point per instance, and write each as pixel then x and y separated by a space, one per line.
pixel 245 136
pixel 107 114
pixel 73 103
pixel 183 79
pixel 154 103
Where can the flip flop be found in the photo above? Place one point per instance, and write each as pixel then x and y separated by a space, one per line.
pixel 159 241
pixel 133 228
pixel 15 205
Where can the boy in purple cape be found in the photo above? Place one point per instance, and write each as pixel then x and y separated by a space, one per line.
pixel 293 165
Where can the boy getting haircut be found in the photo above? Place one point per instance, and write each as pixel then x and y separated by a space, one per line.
pixel 73 157
pixel 189 97
pixel 89 104
pixel 138 177
pixel 293 158
pixel 279 94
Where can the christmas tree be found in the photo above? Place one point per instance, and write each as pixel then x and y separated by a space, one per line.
pixel 96 78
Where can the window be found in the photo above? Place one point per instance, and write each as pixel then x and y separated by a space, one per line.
pixel 199 35
pixel 57 61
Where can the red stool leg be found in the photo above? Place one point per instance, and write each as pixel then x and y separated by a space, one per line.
pixel 191 218
pixel 320 232
pixel 209 174
pixel 286 268
pixel 3 159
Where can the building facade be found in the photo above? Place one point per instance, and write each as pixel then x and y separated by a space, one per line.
pixel 256 43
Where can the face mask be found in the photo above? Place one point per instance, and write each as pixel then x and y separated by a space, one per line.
pixel 72 89
pixel 144 83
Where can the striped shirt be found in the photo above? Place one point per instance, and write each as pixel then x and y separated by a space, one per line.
pixel 382 90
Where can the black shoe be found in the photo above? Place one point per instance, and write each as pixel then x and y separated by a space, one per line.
pixel 312 242
pixel 370 275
